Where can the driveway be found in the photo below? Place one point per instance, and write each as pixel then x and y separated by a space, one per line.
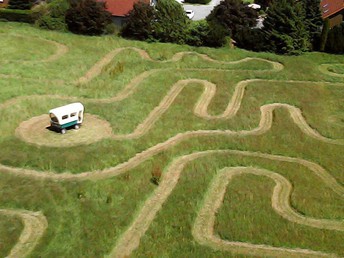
pixel 201 11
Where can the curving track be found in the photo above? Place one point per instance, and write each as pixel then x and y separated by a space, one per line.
pixel 35 223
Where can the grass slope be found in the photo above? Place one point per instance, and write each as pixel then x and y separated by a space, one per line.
pixel 87 218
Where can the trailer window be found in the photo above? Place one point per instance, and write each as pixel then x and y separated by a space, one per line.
pixel 64 117
pixel 53 118
pixel 73 114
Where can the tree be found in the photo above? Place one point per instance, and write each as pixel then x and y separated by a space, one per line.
pixel 140 22
pixel 20 4
pixel 313 21
pixel 51 16
pixel 233 15
pixel 171 22
pixel 87 17
pixel 263 3
pixel 335 40
pixel 285 29
pixel 202 33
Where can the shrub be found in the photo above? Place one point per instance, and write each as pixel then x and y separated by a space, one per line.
pixel 285 28
pixel 16 15
pixel 20 4
pixel 140 22
pixel 251 39
pixel 313 21
pixel 202 33
pixel 233 15
pixel 198 1
pixel 52 16
pixel 88 17
pixel 335 40
pixel 171 22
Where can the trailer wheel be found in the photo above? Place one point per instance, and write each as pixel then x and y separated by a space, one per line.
pixel 63 131
pixel 76 127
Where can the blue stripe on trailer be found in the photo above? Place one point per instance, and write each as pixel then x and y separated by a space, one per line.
pixel 69 124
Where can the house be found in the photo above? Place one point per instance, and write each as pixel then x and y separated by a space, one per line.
pixel 333 10
pixel 119 9
pixel 3 3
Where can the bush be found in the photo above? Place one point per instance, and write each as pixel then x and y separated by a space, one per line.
pixel 202 33
pixel 285 28
pixel 198 1
pixel 51 16
pixel 233 15
pixel 251 39
pixel 335 40
pixel 88 17
pixel 140 22
pixel 16 15
pixel 171 22
pixel 20 4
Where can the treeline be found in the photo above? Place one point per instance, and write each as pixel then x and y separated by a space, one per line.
pixel 289 26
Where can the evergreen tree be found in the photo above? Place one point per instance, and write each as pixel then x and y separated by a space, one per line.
pixel 171 22
pixel 313 21
pixel 88 17
pixel 285 28
pixel 140 21
pixel 20 4
pixel 335 40
pixel 233 15
pixel 263 3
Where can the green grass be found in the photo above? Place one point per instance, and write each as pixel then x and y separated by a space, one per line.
pixel 87 218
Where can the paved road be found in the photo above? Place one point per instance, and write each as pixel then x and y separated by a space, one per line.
pixel 201 11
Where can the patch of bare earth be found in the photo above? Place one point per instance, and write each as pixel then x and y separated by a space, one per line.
pixel 36 131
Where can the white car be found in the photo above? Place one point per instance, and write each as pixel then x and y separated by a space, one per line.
pixel 180 1
pixel 190 14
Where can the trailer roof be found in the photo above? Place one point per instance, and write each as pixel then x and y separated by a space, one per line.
pixel 63 110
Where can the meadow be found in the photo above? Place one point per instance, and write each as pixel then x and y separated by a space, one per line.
pixel 189 152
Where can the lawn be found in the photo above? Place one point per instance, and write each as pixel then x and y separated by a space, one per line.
pixel 184 115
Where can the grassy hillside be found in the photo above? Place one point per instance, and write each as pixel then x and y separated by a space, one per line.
pixel 190 114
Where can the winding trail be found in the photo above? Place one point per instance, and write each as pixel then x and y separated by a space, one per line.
pixel 324 68
pixel 203 230
pixel 35 223
pixel 130 239
pixel 97 68
pixel 60 51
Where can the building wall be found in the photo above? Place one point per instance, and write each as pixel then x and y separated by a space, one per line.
pixel 3 3
pixel 336 19
pixel 118 21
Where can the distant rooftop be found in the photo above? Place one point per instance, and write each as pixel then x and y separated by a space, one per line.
pixel 121 7
pixel 330 7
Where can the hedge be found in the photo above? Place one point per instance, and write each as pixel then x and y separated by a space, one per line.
pixel 198 1
pixel 16 15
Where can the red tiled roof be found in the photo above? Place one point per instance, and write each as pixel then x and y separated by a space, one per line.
pixel 330 7
pixel 121 7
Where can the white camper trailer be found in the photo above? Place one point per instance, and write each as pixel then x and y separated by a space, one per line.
pixel 67 116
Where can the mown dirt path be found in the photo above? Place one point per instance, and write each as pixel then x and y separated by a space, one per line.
pixel 35 225
pixel 203 229
pixel 131 238
pixel 325 69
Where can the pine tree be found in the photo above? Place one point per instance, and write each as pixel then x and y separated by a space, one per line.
pixel 233 15
pixel 313 21
pixel 285 28
pixel 171 22
pixel 263 3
